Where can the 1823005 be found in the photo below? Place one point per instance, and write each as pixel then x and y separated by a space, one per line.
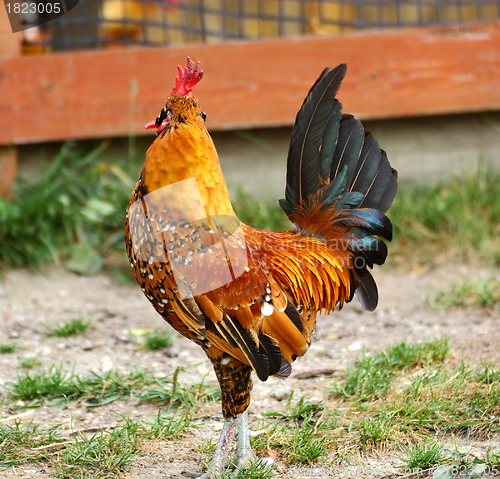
pixel 34 7
pixel 474 470
pixel 460 470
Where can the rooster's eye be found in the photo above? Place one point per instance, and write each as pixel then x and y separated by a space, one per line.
pixel 203 115
pixel 164 114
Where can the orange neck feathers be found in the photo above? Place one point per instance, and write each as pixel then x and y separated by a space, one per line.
pixel 184 150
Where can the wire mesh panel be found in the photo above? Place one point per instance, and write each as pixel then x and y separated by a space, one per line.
pixel 107 23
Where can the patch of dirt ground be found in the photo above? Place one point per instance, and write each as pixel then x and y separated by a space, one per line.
pixel 30 301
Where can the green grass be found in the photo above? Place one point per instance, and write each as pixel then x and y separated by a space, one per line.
pixel 264 214
pixel 300 411
pixel 484 293
pixel 422 401
pixel 29 362
pixel 427 456
pixel 301 432
pixel 104 454
pixel 256 470
pixel 435 400
pixel 457 217
pixel 22 442
pixel 69 328
pixel 169 426
pixel 373 374
pixel 425 401
pixel 373 430
pixel 53 386
pixel 74 214
pixel 41 385
pixel 423 455
pixel 7 348
pixel 443 400
pixel 158 339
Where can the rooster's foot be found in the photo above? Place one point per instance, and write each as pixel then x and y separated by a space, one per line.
pixel 234 428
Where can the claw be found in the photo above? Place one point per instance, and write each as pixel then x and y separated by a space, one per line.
pixel 235 430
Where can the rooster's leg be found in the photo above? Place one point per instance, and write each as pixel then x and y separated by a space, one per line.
pixel 244 453
pixel 235 382
pixel 233 427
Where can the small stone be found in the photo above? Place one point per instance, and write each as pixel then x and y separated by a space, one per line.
pixel 356 346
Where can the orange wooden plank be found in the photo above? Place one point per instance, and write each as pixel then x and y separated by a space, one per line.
pixel 8 169
pixel 251 84
pixel 10 43
pixel 10 46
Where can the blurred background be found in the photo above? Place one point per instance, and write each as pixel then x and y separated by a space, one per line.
pixel 105 23
pixel 75 92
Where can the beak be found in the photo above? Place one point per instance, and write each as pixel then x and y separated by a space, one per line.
pixel 153 124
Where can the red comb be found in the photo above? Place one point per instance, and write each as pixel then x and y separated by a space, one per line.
pixel 188 78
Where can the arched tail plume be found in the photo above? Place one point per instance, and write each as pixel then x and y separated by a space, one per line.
pixel 340 183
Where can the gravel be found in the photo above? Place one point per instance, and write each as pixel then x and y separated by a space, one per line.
pixel 30 301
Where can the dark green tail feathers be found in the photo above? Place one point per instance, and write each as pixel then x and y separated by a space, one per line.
pixel 333 163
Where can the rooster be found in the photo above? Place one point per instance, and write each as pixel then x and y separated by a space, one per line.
pixel 250 297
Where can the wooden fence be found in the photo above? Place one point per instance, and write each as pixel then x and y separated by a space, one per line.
pixel 112 93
